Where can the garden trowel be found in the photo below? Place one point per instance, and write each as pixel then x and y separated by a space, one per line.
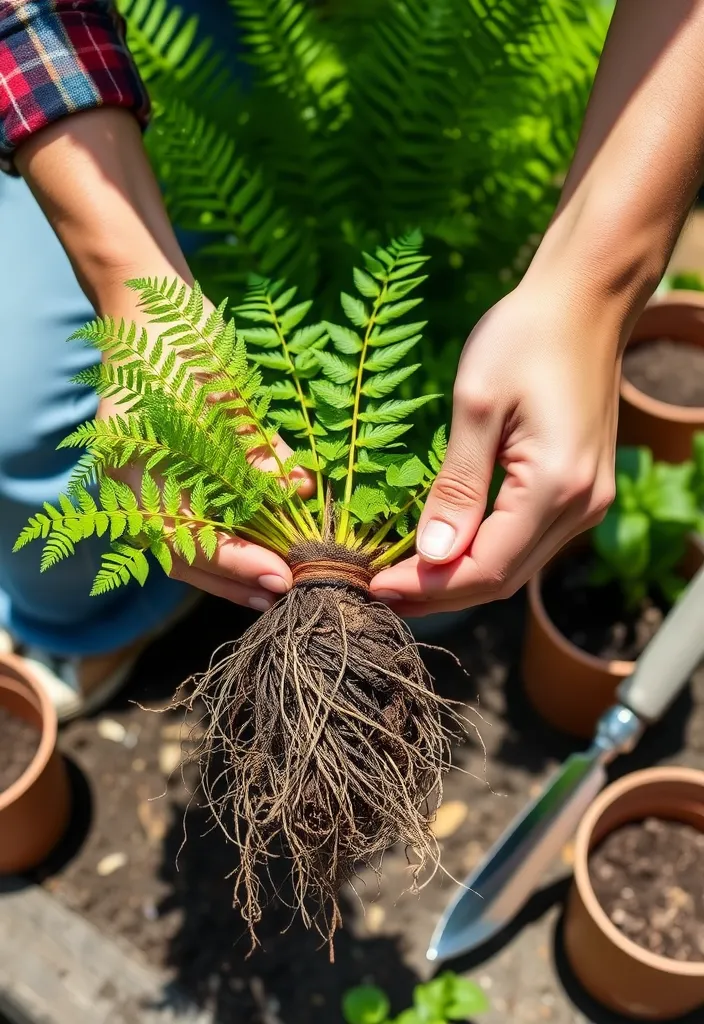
pixel 492 895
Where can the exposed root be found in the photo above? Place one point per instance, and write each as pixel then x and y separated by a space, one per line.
pixel 324 744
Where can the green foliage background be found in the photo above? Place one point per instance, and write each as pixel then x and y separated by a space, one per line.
pixel 367 118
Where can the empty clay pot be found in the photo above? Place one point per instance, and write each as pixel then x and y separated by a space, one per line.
pixel 34 811
pixel 570 688
pixel 668 430
pixel 614 970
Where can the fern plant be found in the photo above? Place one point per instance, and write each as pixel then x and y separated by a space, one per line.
pixel 330 387
pixel 323 732
pixel 359 120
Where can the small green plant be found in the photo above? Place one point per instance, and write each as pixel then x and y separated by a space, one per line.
pixel 643 537
pixel 689 280
pixel 446 998
pixel 698 477
pixel 323 732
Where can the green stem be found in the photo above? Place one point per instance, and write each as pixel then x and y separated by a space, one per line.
pixel 301 400
pixel 391 554
pixel 382 532
pixel 344 526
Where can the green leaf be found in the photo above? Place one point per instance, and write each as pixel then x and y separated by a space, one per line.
pixel 394 409
pixel 344 339
pixel 395 310
pixel 380 436
pixel 272 361
pixel 208 540
pixel 623 541
pixel 365 1005
pixel 289 419
pixel 465 999
pixel 307 337
pixel 382 384
pixel 162 552
pixel 400 289
pixel 335 395
pixel 293 316
pixel 172 497
pixel 367 503
pixel 337 369
pixel 379 337
pixel 151 495
pixel 365 284
pixel 184 544
pixel 407 474
pixel 355 310
pixel 385 358
pixel 669 495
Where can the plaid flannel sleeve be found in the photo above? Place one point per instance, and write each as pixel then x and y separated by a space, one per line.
pixel 58 57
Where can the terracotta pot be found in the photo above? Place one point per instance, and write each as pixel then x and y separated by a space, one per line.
pixel 570 688
pixel 666 429
pixel 614 970
pixel 34 811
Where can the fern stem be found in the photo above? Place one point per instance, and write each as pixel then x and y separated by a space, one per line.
pixel 391 554
pixel 302 402
pixel 383 531
pixel 344 526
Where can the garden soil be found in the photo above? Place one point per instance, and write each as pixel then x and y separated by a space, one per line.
pixel 670 371
pixel 648 878
pixel 594 618
pixel 18 745
pixel 125 868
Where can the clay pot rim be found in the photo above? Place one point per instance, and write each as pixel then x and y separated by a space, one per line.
pixel 17 667
pixel 690 415
pixel 613 793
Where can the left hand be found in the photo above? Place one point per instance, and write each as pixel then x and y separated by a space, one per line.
pixel 537 392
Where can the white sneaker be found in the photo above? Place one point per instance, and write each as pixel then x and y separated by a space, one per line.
pixel 82 685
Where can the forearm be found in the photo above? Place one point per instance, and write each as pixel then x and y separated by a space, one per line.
pixel 93 180
pixel 639 162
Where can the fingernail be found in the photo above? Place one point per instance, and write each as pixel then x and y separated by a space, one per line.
pixel 260 604
pixel 276 584
pixel 387 595
pixel 437 539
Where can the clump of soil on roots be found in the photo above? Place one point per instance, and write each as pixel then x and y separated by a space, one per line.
pixel 324 741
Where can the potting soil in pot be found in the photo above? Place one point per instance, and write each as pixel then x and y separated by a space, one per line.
pixel 648 878
pixel 18 745
pixel 671 371
pixel 594 618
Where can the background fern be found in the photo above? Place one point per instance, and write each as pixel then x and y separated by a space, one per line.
pixel 360 120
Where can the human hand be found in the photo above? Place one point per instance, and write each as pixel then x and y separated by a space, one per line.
pixel 240 571
pixel 537 392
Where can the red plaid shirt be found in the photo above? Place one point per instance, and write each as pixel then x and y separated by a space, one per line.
pixel 58 57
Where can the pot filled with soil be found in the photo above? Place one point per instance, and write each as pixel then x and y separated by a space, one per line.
pixel 662 386
pixel 594 608
pixel 34 790
pixel 634 923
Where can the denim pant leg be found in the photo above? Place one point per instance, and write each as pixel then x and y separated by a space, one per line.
pixel 41 304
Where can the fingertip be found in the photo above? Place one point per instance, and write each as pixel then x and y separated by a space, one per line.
pixel 437 541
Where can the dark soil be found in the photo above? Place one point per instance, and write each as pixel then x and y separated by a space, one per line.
pixel 671 371
pixel 648 878
pixel 594 618
pixel 174 905
pixel 18 745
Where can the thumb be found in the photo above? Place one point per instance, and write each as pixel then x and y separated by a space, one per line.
pixel 458 497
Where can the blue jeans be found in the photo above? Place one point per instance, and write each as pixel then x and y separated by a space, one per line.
pixel 41 304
